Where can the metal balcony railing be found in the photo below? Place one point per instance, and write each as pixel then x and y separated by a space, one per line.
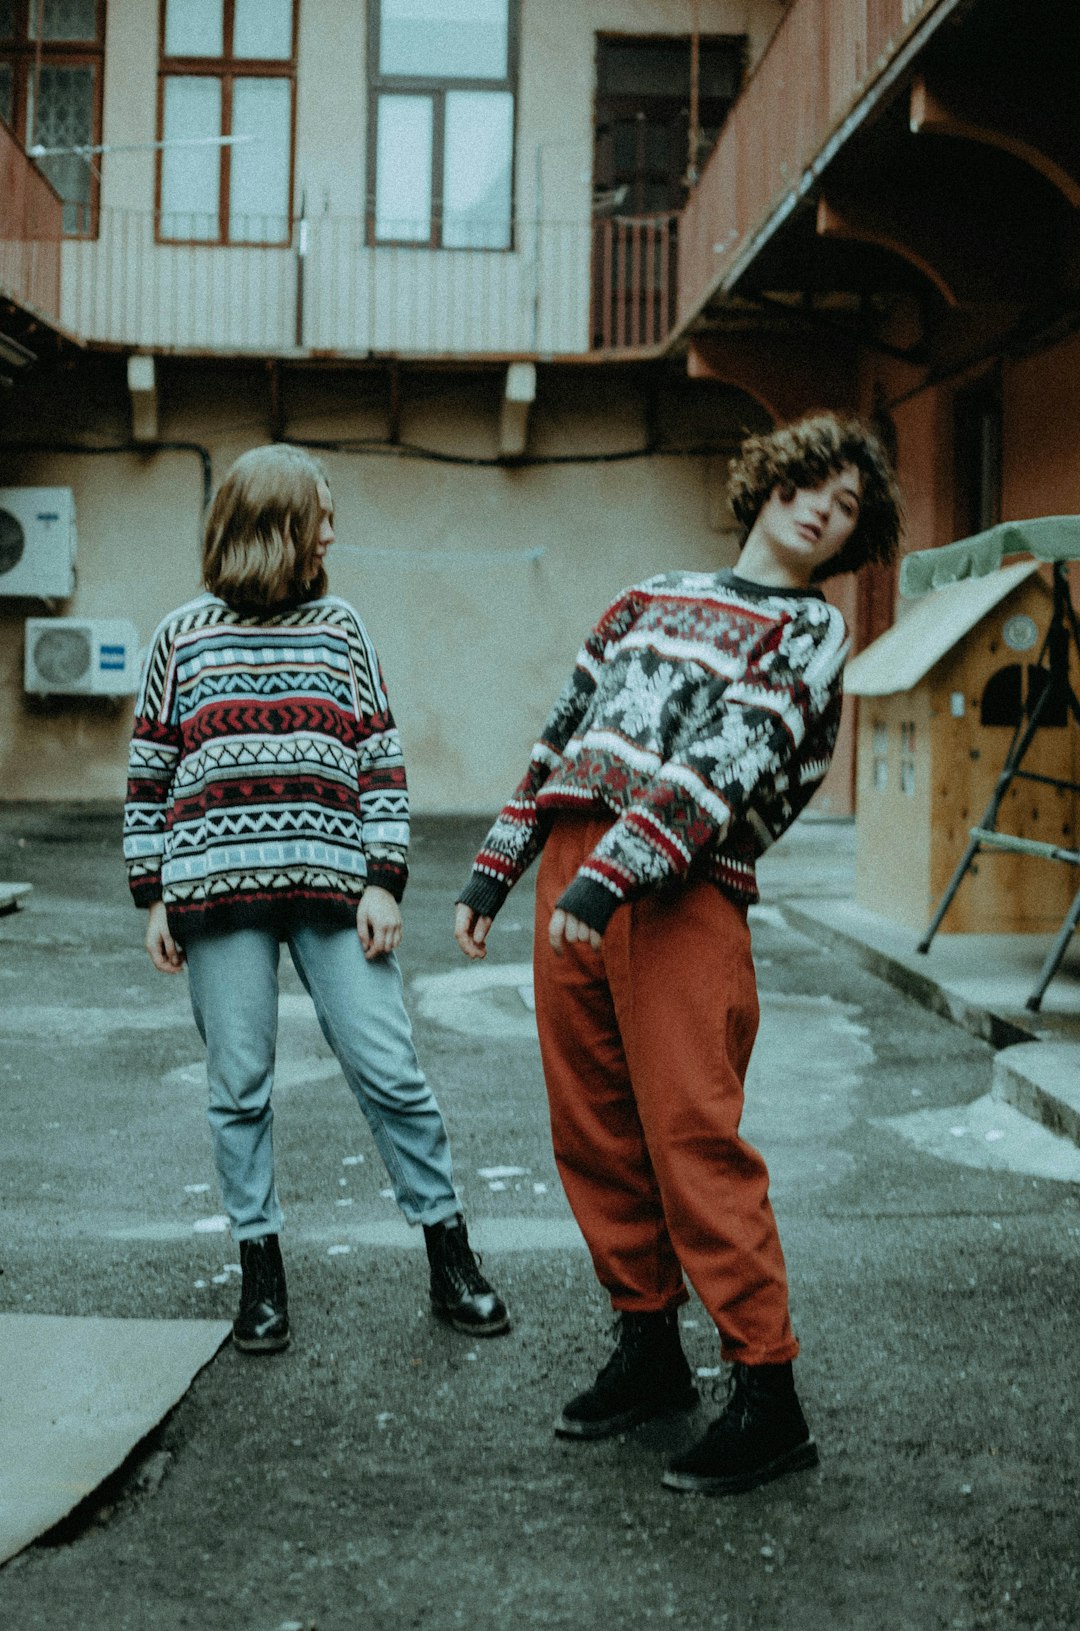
pixel 564 288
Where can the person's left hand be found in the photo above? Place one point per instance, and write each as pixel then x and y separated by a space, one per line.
pixel 567 930
pixel 378 922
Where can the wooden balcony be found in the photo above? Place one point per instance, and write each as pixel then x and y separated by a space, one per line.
pixel 797 107
pixel 30 232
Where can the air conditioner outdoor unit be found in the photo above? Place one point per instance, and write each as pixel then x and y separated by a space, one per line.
pixel 37 542
pixel 81 656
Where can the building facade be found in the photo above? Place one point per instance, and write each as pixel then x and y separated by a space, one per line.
pixel 523 274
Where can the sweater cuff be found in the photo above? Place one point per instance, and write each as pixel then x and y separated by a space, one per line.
pixel 385 875
pixel 590 902
pixel 485 895
pixel 145 892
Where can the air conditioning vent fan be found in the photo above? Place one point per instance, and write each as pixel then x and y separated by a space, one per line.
pixel 81 656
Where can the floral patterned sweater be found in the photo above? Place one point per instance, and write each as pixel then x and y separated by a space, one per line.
pixel 701 715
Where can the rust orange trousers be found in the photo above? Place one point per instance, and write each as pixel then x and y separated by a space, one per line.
pixel 645 1045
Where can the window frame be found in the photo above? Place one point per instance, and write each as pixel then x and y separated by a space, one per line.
pixel 227 69
pixel 435 89
pixel 23 52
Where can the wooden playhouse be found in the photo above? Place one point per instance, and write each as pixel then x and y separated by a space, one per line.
pixel 940 695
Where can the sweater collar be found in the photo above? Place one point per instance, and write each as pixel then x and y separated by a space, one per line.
pixel 764 591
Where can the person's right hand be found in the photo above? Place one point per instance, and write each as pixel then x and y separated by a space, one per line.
pixel 471 931
pixel 164 953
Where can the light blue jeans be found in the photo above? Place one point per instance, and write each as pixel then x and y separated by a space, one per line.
pixel 233 978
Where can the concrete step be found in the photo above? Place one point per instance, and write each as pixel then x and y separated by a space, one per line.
pixel 1042 1079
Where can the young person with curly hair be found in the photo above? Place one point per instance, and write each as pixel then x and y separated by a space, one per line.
pixel 698 722
pixel 267 803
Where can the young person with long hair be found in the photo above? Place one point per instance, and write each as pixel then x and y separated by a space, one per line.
pixel 698 721
pixel 267 803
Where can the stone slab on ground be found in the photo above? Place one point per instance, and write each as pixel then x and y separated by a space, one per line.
pixel 77 1396
pixel 1043 1080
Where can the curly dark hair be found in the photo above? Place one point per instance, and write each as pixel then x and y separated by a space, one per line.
pixel 806 453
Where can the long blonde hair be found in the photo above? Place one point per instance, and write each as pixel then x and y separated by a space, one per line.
pixel 262 530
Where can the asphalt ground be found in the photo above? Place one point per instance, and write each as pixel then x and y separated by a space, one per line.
pixel 388 1472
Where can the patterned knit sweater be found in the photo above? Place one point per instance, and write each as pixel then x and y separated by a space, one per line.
pixel 701 714
pixel 265 767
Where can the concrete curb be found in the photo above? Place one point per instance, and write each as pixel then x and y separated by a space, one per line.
pixel 999 1030
pixel 1040 1079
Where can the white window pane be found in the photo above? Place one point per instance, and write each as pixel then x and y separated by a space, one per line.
pixel 194 28
pixel 450 39
pixel 263 28
pixel 477 169
pixel 191 174
pixel 64 20
pixel 403 168
pixel 259 188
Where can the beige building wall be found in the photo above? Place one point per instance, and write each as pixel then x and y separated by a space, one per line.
pixel 124 288
pixel 477 583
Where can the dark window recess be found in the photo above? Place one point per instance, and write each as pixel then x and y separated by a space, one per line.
pixel 1003 701
pixel 1003 697
pixel 643 117
pixel 977 458
pixel 1056 709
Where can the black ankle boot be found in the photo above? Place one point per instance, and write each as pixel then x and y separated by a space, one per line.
pixel 647 1375
pixel 760 1435
pixel 459 1293
pixel 262 1325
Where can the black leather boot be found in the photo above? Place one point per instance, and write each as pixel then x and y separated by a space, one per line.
pixel 459 1292
pixel 761 1434
pixel 646 1376
pixel 262 1325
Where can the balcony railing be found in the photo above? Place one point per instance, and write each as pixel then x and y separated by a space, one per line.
pixel 824 55
pixel 31 219
pixel 633 281
pixel 564 289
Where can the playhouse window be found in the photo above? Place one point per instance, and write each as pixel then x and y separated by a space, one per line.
pixel 907 758
pixel 880 767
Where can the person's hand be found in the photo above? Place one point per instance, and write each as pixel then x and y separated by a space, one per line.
pixel 471 931
pixel 166 956
pixel 567 930
pixel 378 922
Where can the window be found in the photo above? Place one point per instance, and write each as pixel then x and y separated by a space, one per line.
pixel 643 116
pixel 228 70
pixel 51 58
pixel 441 78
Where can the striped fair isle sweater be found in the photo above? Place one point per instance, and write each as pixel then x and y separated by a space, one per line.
pixel 265 767
pixel 701 714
